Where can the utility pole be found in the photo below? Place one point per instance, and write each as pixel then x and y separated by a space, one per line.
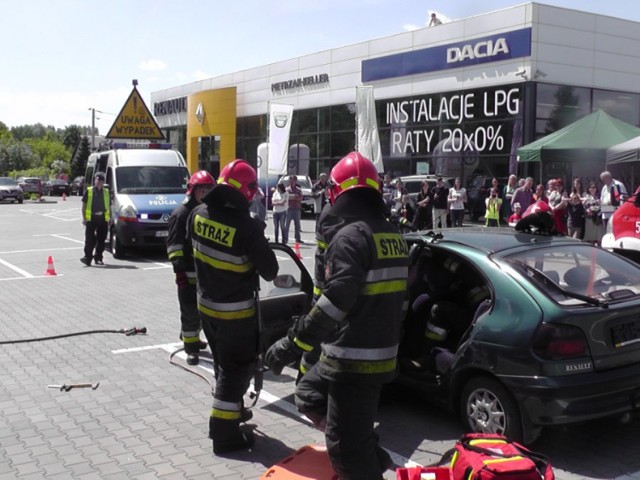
pixel 93 129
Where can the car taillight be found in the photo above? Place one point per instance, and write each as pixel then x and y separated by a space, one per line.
pixel 559 342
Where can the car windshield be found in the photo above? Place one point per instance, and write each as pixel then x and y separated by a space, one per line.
pixel 7 181
pixel 152 179
pixel 579 274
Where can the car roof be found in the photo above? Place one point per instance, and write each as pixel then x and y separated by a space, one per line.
pixel 491 240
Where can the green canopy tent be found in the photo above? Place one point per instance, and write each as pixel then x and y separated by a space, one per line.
pixel 584 139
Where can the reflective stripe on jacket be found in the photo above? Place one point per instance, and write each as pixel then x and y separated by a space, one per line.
pixel 365 288
pixel 179 250
pixel 107 206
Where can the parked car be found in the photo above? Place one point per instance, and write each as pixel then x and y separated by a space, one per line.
pixel 477 192
pixel 308 202
pixel 30 185
pixel 10 190
pixel 412 184
pixel 534 330
pixel 77 186
pixel 57 187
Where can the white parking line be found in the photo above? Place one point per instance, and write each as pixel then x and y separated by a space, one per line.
pixel 265 397
pixel 24 273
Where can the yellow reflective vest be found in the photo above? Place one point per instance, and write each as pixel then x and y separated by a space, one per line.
pixel 107 207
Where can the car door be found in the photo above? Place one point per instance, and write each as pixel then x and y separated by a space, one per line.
pixel 286 297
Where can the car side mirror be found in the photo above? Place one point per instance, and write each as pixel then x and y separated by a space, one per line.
pixel 285 281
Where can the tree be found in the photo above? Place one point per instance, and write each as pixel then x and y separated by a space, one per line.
pixel 79 163
pixel 71 136
pixel 16 156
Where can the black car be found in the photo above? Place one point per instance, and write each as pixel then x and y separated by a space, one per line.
pixel 10 190
pixel 513 331
pixel 57 187
pixel 477 192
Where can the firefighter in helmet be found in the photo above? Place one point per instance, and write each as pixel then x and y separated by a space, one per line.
pixel 180 254
pixel 355 324
pixel 230 252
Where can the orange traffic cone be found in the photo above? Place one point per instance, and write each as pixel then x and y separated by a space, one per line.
pixel 50 269
pixel 296 248
pixel 64 197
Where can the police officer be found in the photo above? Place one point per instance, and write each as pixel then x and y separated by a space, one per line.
pixel 96 217
pixel 355 323
pixel 230 251
pixel 180 253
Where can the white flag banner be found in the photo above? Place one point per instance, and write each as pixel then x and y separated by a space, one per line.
pixel 279 126
pixel 368 140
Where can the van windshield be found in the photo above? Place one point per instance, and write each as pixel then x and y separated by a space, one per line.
pixel 151 179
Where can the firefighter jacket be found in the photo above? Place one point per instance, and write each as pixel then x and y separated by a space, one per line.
pixel 357 320
pixel 326 227
pixel 179 248
pixel 230 251
pixel 88 209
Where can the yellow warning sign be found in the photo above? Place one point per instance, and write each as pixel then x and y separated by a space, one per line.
pixel 135 121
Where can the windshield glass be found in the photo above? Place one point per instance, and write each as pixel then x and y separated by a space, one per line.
pixel 582 270
pixel 7 181
pixel 152 179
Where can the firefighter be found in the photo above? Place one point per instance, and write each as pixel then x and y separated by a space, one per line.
pixel 96 217
pixel 230 251
pixel 355 324
pixel 181 255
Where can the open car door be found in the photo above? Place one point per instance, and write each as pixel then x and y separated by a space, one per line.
pixel 287 296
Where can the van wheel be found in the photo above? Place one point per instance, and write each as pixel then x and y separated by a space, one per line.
pixel 117 249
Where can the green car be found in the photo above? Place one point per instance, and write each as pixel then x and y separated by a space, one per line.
pixel 513 331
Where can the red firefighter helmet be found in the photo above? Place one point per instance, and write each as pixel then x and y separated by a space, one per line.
pixel 241 176
pixel 538 217
pixel 353 171
pixel 199 178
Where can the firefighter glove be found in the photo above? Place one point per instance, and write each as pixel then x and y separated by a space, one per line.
pixel 181 280
pixel 283 352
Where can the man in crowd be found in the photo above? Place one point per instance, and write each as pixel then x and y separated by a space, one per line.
pixel 294 213
pixel 612 195
pixel 524 194
pixel 439 194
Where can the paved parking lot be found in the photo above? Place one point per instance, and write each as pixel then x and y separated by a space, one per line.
pixel 149 419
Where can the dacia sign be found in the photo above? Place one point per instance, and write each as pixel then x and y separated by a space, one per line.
pixel 483 49
pixel 494 48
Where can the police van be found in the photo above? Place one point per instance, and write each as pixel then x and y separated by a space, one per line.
pixel 146 185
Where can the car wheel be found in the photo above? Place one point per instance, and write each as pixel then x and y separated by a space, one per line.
pixel 487 407
pixel 20 200
pixel 117 249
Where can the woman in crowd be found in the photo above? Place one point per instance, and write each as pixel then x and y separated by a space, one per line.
pixel 578 188
pixel 593 226
pixel 280 201
pixel 540 194
pixel 507 194
pixel 422 218
pixel 493 203
pixel 558 201
pixel 457 199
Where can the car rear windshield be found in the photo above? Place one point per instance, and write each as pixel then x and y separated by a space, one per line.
pixel 568 272
pixel 151 179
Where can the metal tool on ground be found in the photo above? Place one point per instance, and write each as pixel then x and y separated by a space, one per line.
pixel 66 387
pixel 127 331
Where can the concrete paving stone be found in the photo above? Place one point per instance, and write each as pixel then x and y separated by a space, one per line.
pixel 73 459
pixel 90 476
pixel 21 459
pixel 55 469
pixel 164 469
pixel 111 468
pixel 46 458
pixel 99 459
pixel 80 469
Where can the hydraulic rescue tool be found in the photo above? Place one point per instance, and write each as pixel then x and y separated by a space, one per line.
pixel 67 387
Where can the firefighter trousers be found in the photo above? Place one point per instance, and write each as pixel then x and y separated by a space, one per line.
pixel 235 354
pixel 349 409
pixel 189 318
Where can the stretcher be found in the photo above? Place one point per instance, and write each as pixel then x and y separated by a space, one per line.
pixel 311 462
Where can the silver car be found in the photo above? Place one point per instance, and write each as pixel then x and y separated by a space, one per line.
pixel 10 190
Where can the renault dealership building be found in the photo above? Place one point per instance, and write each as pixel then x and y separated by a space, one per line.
pixel 454 99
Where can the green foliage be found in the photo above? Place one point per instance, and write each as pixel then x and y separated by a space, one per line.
pixel 72 136
pixel 79 164
pixel 41 172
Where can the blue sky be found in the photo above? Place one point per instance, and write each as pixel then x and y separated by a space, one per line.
pixel 61 58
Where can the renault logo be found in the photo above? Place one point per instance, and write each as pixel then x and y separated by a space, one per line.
pixel 200 113
pixel 165 217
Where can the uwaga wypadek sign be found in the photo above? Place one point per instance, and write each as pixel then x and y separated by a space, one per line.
pixel 135 121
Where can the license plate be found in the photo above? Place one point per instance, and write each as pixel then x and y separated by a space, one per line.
pixel 625 334
pixel 162 233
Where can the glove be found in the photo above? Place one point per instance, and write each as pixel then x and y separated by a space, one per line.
pixel 181 280
pixel 281 353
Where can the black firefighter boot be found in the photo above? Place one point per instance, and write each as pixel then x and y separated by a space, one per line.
pixel 228 437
